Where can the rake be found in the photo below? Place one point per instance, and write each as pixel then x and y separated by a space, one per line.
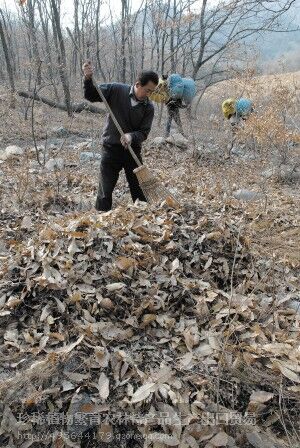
pixel 152 188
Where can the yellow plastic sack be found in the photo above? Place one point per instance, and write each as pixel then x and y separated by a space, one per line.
pixel 161 93
pixel 228 107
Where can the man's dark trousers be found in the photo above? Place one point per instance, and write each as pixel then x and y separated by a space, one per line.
pixel 113 160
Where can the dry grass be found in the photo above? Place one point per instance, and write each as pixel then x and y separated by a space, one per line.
pixel 256 87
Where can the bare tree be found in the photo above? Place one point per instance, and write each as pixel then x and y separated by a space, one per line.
pixel 123 40
pixel 31 24
pixel 7 59
pixel 44 18
pixel 226 24
pixel 205 41
pixel 98 48
pixel 145 12
pixel 61 55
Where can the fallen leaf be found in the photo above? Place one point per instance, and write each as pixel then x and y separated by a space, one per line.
pixel 73 248
pixel 70 347
pixel 124 263
pixel 175 265
pixel 143 392
pixel 102 356
pixel 172 202
pixel 103 386
pixel 208 263
pixel 106 303
pixel 115 286
pixel 67 385
pixel 221 439
pixel 261 396
pixel 288 373
pixel 147 319
pixel 26 223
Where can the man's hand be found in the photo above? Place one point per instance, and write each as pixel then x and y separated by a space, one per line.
pixel 126 140
pixel 87 70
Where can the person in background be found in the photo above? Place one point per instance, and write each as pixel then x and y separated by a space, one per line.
pixel 134 112
pixel 173 106
pixel 237 111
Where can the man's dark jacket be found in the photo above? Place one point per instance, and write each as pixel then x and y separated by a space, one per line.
pixel 136 120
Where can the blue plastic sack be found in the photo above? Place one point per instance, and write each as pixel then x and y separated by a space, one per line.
pixel 189 90
pixel 243 107
pixel 175 84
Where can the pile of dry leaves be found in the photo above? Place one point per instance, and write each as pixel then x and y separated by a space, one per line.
pixel 146 327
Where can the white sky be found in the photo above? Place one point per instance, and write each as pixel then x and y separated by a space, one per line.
pixel 67 8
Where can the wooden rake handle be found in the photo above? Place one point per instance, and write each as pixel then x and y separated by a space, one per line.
pixel 133 154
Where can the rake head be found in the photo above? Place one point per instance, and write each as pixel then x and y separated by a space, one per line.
pixel 154 191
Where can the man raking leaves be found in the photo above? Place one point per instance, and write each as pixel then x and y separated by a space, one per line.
pixel 128 125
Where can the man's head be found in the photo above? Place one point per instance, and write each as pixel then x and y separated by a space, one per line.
pixel 145 84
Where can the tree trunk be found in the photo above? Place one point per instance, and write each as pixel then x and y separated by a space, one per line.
pixel 131 60
pixel 35 51
pixel 98 41
pixel 172 38
pixel 143 35
pixel 61 56
pixel 49 61
pixel 202 39
pixel 76 38
pixel 77 107
pixel 164 37
pixel 123 41
pixel 7 60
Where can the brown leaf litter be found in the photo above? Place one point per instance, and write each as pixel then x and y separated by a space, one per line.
pixel 161 323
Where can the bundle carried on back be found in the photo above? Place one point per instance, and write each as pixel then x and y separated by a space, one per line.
pixel 182 88
pixel 189 90
pixel 244 107
pixel 228 107
pixel 161 93
pixel 241 107
pixel 174 87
